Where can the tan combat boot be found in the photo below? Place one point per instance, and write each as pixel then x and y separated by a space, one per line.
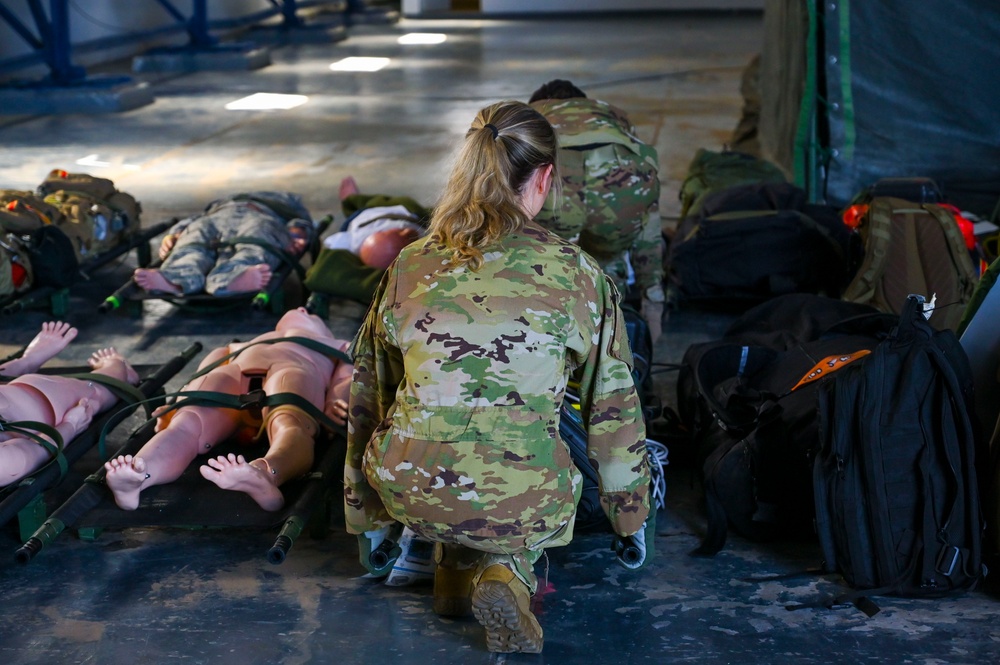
pixel 501 603
pixel 453 577
pixel 453 592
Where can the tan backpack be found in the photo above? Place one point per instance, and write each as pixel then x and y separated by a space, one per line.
pixel 913 248
pixel 94 214
pixel 22 211
pixel 99 188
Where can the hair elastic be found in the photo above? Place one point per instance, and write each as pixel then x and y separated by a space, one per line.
pixel 492 128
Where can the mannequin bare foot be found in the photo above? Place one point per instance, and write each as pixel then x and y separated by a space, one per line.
pixel 53 338
pixel 252 278
pixel 348 187
pixel 125 476
pixel 152 280
pixel 233 472
pixel 113 364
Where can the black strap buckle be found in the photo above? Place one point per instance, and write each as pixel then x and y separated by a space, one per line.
pixel 948 559
pixel 252 400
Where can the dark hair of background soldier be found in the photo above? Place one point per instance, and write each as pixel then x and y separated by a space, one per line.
pixel 556 89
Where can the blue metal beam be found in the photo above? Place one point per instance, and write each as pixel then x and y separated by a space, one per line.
pixel 18 27
pixel 59 45
pixel 52 44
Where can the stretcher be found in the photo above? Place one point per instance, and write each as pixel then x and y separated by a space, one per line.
pixel 181 503
pixel 130 296
pixel 57 300
pixel 24 499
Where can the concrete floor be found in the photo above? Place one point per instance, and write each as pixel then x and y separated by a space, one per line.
pixel 154 595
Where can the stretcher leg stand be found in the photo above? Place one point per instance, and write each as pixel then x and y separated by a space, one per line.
pixel 31 517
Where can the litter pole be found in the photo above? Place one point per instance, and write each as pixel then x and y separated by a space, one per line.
pixel 93 490
pixel 134 242
pixel 116 299
pixel 33 485
pixel 289 532
pixel 29 299
pixel 318 484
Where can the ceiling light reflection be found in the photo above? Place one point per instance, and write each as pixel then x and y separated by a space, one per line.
pixel 422 38
pixel 267 101
pixel 359 64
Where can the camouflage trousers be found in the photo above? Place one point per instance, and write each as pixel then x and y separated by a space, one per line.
pixel 606 196
pixel 203 259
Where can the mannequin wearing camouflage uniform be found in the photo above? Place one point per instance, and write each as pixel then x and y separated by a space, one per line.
pixel 609 199
pixel 460 369
pixel 199 253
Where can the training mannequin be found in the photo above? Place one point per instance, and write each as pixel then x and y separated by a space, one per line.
pixel 381 248
pixel 197 253
pixel 67 404
pixel 184 433
pixel 378 226
pixel 352 260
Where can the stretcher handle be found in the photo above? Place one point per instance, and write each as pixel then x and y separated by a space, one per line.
pixel 289 532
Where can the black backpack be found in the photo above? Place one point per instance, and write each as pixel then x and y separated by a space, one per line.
pixel 53 257
pixel 589 513
pixel 754 242
pixel 896 488
pixel 749 400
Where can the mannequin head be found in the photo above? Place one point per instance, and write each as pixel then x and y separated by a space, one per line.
pixel 301 318
pixel 382 247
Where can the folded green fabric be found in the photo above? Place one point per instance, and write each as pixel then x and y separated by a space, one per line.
pixel 340 273
pixel 356 202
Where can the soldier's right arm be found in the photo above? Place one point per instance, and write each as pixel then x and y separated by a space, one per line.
pixel 611 411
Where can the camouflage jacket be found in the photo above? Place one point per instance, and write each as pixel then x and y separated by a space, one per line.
pixel 458 376
pixel 582 121
pixel 609 201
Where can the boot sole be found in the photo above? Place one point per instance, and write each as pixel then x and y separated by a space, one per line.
pixel 508 630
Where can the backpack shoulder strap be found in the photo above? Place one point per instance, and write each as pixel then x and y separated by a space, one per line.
pixel 968 274
pixel 876 233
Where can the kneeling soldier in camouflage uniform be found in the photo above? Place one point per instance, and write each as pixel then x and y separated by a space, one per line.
pixel 609 201
pixel 460 368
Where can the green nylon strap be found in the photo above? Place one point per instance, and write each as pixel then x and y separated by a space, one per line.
pixel 286 257
pixel 126 392
pixel 34 430
pixel 250 240
pixel 228 400
pixel 286 212
pixel 253 399
pixel 312 344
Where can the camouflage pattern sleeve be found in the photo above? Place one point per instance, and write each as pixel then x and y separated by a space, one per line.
pixel 616 433
pixel 376 366
pixel 647 252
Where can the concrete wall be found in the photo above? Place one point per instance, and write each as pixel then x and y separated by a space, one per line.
pixel 413 8
pixel 539 6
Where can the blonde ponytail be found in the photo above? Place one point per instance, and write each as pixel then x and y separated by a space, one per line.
pixel 481 203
